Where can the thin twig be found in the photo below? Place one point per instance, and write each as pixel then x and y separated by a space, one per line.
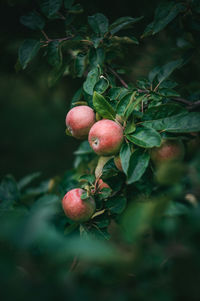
pixel 74 264
pixel 45 35
pixel 118 77
pixel 190 105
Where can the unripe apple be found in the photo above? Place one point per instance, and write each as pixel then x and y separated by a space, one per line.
pixel 101 184
pixel 79 120
pixel 76 209
pixel 170 150
pixel 106 137
pixel 118 163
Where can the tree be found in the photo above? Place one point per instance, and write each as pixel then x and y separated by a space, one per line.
pixel 147 215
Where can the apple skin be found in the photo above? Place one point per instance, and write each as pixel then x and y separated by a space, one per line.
pixel 79 120
pixel 76 209
pixel 101 184
pixel 106 137
pixel 118 163
pixel 170 150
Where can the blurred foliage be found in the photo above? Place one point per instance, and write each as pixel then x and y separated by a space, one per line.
pixel 143 241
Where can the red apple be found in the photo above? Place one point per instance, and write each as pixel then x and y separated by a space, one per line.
pixel 101 184
pixel 76 209
pixel 106 137
pixel 170 150
pixel 79 120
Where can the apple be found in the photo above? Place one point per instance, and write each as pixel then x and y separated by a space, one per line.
pixel 101 184
pixel 118 163
pixel 77 209
pixel 79 120
pixel 170 150
pixel 106 137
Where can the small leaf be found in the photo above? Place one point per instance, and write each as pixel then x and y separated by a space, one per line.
pixel 166 92
pixel 8 189
pixel 28 51
pixel 123 23
pixel 145 137
pixel 80 64
pixel 116 204
pixel 109 170
pixel 54 54
pixel 99 23
pixel 166 70
pixel 84 149
pixel 138 163
pixel 102 85
pixel 92 79
pixel 96 56
pixel 165 13
pixel 130 127
pixel 102 106
pixel 125 154
pixel 163 111
pixel 50 7
pixel 33 21
pixel 28 179
pixel 87 178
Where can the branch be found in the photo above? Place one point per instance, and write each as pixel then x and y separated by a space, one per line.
pixel 48 40
pixel 190 105
pixel 74 264
pixel 118 77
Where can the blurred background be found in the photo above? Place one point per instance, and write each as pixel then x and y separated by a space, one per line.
pixel 32 115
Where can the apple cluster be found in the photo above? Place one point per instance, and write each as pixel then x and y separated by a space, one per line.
pixel 105 138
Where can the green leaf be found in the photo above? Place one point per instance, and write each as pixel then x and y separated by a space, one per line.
pixel 84 149
pixel 139 216
pixel 28 179
pixel 99 23
pixel 166 92
pixel 124 40
pixel 182 123
pixel 28 51
pixel 50 7
pixel 138 163
pixel 165 13
pixel 87 178
pixel 153 73
pixel 80 64
pixel 166 70
pixel 96 56
pixel 123 23
pixel 125 154
pixel 163 111
pixel 92 79
pixel 116 204
pixel 109 170
pixel 54 54
pixel 123 103
pixel 68 3
pixel 102 85
pixel 130 127
pixel 102 107
pixel 33 21
pixel 8 189
pixel 145 137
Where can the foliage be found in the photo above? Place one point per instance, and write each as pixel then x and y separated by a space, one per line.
pixel 146 224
